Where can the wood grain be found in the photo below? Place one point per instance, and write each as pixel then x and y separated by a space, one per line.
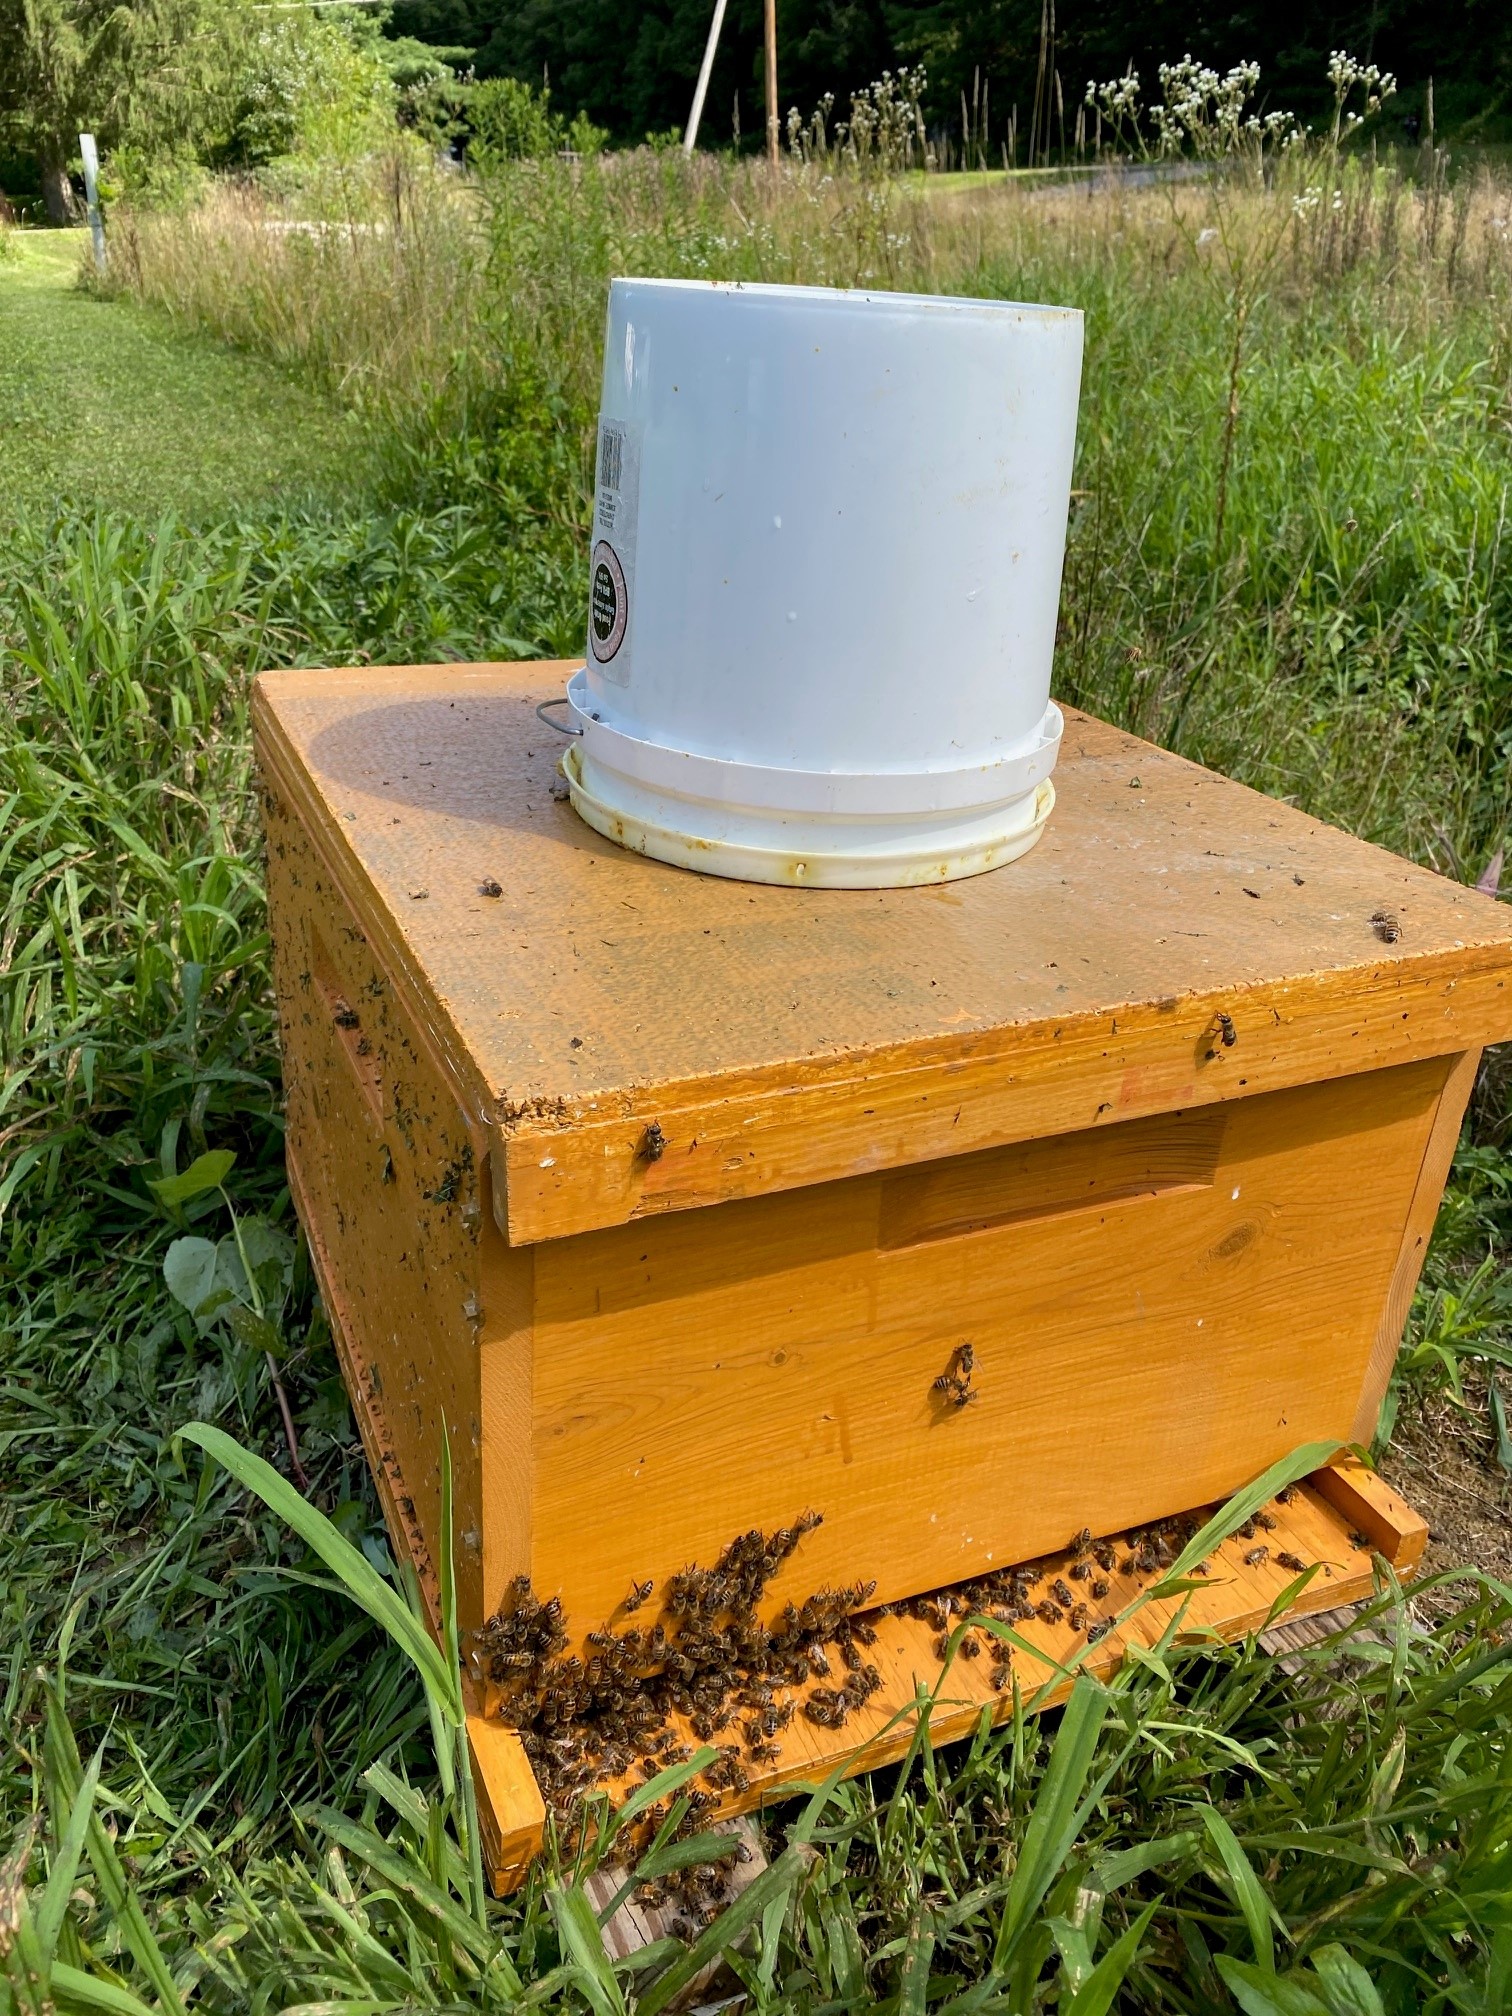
pixel 783 1037
pixel 1438 1157
pixel 701 1374
pixel 1238 1598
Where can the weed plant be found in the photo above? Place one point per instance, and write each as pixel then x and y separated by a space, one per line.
pixel 226 1787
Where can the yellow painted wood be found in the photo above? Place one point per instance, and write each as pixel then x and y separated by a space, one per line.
pixel 699 1374
pixel 1000 1112
pixel 1438 1157
pixel 781 1037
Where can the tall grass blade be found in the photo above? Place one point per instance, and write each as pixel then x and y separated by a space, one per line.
pixel 1096 1993
pixel 1056 1818
pixel 1248 1891
pixel 355 1572
pixel 65 1863
pixel 583 1942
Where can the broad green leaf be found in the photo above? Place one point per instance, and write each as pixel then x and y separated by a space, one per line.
pixel 1248 1892
pixel 252 1331
pixel 74 1989
pixel 1095 1995
pixel 1111 1872
pixel 913 1975
pixel 1499 1423
pixel 1262 1993
pixel 65 1862
pixel 357 1575
pixel 664 1784
pixel 583 1942
pixel 684 1851
pixel 189 1271
pixel 408 1878
pixel 1348 1988
pixel 1056 1817
pixel 205 1172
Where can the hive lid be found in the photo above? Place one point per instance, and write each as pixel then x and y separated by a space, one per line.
pixel 779 1037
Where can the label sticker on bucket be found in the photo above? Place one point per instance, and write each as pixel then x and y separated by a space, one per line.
pixel 612 569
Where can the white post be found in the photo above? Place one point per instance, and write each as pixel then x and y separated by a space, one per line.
pixel 92 197
pixel 701 88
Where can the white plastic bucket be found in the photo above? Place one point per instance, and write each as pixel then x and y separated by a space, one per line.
pixel 825 573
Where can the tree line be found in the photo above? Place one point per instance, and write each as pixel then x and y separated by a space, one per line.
pixel 630 64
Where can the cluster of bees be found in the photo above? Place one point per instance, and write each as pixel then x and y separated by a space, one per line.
pixel 709 1660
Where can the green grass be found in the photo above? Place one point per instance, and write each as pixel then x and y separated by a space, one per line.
pixel 106 403
pixel 275 1829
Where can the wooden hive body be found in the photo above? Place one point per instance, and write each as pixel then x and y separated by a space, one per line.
pixel 1001 1111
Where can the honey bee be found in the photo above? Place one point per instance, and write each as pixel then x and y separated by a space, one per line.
pixel 764 1753
pixel 955 1381
pixel 489 887
pixel 1293 1562
pixel 1265 1522
pixel 1104 1553
pixel 1079 1617
pixel 1048 1612
pixel 1000 1675
pixel 1082 1544
pixel 1100 1587
pixel 1359 1543
pixel 1227 1033
pixel 826 1708
pixel 971 1648
pixel 1385 926
pixel 1286 1494
pixel 653 1143
pixel 639 1591
pixel 1061 1593
pixel 1079 1571
pixel 1099 1630
pixel 1257 1557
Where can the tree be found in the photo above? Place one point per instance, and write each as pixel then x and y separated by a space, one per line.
pixel 102 66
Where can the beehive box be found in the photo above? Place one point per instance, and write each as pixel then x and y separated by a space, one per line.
pixel 677 1198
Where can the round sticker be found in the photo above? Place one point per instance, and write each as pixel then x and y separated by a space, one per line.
pixel 609 604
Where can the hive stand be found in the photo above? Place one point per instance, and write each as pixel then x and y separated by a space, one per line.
pixel 676 1198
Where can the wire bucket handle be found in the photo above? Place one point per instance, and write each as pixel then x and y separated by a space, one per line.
pixel 560 726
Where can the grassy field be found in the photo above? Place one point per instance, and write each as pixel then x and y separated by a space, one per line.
pixel 270 1824
pixel 112 407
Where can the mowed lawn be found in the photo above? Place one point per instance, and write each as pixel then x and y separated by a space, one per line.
pixel 106 402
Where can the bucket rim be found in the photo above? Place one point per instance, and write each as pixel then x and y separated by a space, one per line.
pixel 776 292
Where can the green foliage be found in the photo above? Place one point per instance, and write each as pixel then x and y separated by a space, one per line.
pixel 103 67
pixel 302 82
pixel 273 1813
pixel 631 67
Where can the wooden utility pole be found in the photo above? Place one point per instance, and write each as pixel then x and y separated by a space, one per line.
pixel 771 80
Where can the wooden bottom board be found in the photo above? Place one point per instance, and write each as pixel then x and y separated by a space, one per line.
pixel 1339 1518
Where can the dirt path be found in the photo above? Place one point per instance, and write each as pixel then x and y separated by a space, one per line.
pixel 1443 1460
